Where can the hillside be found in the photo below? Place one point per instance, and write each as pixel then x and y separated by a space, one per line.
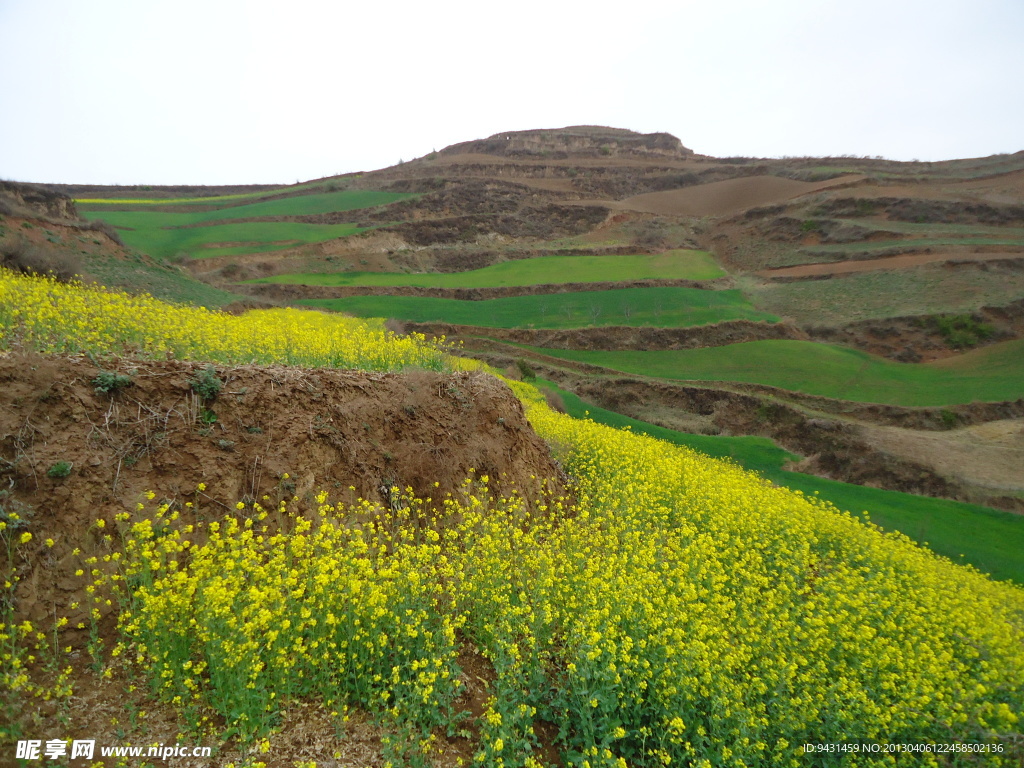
pixel 744 403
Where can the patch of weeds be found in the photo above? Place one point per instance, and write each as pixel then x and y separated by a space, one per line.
pixel 207 417
pixel 526 370
pixel 226 445
pixel 962 331
pixel 206 384
pixel 15 514
pixel 60 470
pixel 810 225
pixel 26 225
pixel 254 430
pixel 948 417
pixel 108 382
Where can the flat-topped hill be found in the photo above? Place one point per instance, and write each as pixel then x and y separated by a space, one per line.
pixel 583 140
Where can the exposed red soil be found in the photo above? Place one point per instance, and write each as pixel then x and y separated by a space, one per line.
pixel 328 429
pixel 353 434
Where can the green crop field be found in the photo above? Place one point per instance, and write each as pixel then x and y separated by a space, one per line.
pixel 672 265
pixel 988 539
pixel 199 242
pixel 993 373
pixel 164 234
pixel 202 200
pixel 659 307
pixel 299 205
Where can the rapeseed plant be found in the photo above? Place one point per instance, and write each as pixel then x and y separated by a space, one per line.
pixel 53 317
pixel 680 612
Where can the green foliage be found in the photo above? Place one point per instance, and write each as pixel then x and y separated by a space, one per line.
pixel 164 241
pixel 925 290
pixel 15 514
pixel 810 225
pixel 165 233
pixel 60 470
pixel 671 265
pixel 108 382
pixel 963 331
pixel 656 307
pixel 526 370
pixel 994 373
pixel 206 384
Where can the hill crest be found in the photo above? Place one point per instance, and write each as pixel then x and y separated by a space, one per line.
pixel 578 140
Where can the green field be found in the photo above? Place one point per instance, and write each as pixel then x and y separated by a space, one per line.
pixel 163 281
pixel 165 234
pixel 205 200
pixel 672 265
pixel 299 205
pixel 658 307
pixel 990 540
pixel 990 374
pixel 252 237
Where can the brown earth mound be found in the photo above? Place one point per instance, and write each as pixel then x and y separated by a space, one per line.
pixel 327 429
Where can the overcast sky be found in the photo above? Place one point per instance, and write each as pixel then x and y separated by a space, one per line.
pixel 254 91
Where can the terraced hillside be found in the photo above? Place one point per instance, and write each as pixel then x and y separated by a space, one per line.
pixel 313 537
pixel 829 283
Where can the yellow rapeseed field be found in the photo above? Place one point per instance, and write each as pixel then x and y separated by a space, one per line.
pixel 50 316
pixel 679 612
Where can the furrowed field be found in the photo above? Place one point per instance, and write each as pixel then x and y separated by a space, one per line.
pixel 677 610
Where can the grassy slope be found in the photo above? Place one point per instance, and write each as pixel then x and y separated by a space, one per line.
pixel 872 295
pixel 841 249
pixel 204 200
pixel 164 282
pixel 659 307
pixel 300 205
pixel 990 374
pixel 985 538
pixel 261 236
pixel 158 233
pixel 682 265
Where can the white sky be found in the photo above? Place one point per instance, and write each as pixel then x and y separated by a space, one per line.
pixel 254 91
